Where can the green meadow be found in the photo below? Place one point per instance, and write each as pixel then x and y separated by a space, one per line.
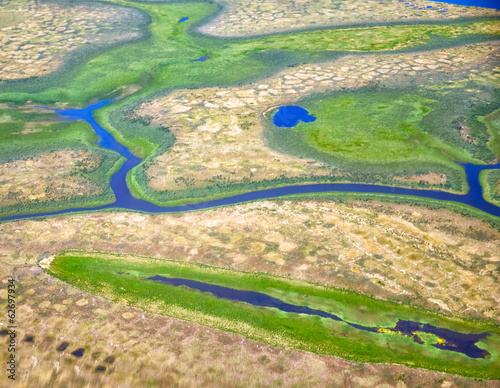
pixel 123 279
pixel 390 131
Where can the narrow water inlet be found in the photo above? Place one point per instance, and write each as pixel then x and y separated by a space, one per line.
pixel 446 339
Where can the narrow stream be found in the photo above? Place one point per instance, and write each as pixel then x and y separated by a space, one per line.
pixel 449 340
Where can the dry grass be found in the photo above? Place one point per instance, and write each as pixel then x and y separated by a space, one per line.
pixel 247 17
pixel 51 176
pixel 436 259
pixel 36 37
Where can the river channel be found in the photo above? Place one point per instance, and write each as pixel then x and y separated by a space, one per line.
pixel 125 200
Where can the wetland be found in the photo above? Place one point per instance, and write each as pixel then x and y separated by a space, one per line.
pixel 365 228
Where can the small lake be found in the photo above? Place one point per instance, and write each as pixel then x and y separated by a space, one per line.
pixel 289 116
pixel 453 341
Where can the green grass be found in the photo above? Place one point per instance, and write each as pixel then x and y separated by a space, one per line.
pixel 43 134
pixel 123 278
pixel 490 181
pixel 384 126
pixel 377 127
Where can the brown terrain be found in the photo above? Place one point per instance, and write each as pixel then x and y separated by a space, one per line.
pixel 49 176
pixel 436 259
pixel 248 17
pixel 36 37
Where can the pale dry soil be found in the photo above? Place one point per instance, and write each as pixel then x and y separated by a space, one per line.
pixel 51 176
pixel 36 37
pixel 127 347
pixel 219 131
pixel 248 17
pixel 430 258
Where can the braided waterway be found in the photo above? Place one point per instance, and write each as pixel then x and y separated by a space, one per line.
pixel 126 201
pixel 447 339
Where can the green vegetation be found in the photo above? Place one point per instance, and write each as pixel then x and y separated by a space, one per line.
pixel 123 278
pixel 368 39
pixel 379 127
pixel 27 133
pixel 490 181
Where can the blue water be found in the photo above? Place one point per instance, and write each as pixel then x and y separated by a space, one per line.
pixel 202 59
pixel 183 19
pixel 125 200
pixel 494 4
pixel 457 342
pixel 289 116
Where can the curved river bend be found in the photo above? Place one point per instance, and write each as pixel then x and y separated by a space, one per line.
pixel 125 200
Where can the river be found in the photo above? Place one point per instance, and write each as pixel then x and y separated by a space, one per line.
pixel 125 200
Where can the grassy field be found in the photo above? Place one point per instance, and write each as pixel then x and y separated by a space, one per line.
pixel 389 130
pixel 122 278
pixel 490 180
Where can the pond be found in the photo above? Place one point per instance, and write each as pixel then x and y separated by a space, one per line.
pixel 289 116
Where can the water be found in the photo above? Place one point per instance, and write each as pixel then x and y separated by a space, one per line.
pixel 289 116
pixel 494 4
pixel 125 200
pixel 454 341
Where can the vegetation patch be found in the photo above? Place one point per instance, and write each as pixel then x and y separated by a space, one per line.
pixel 490 180
pixel 125 279
pixel 383 131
